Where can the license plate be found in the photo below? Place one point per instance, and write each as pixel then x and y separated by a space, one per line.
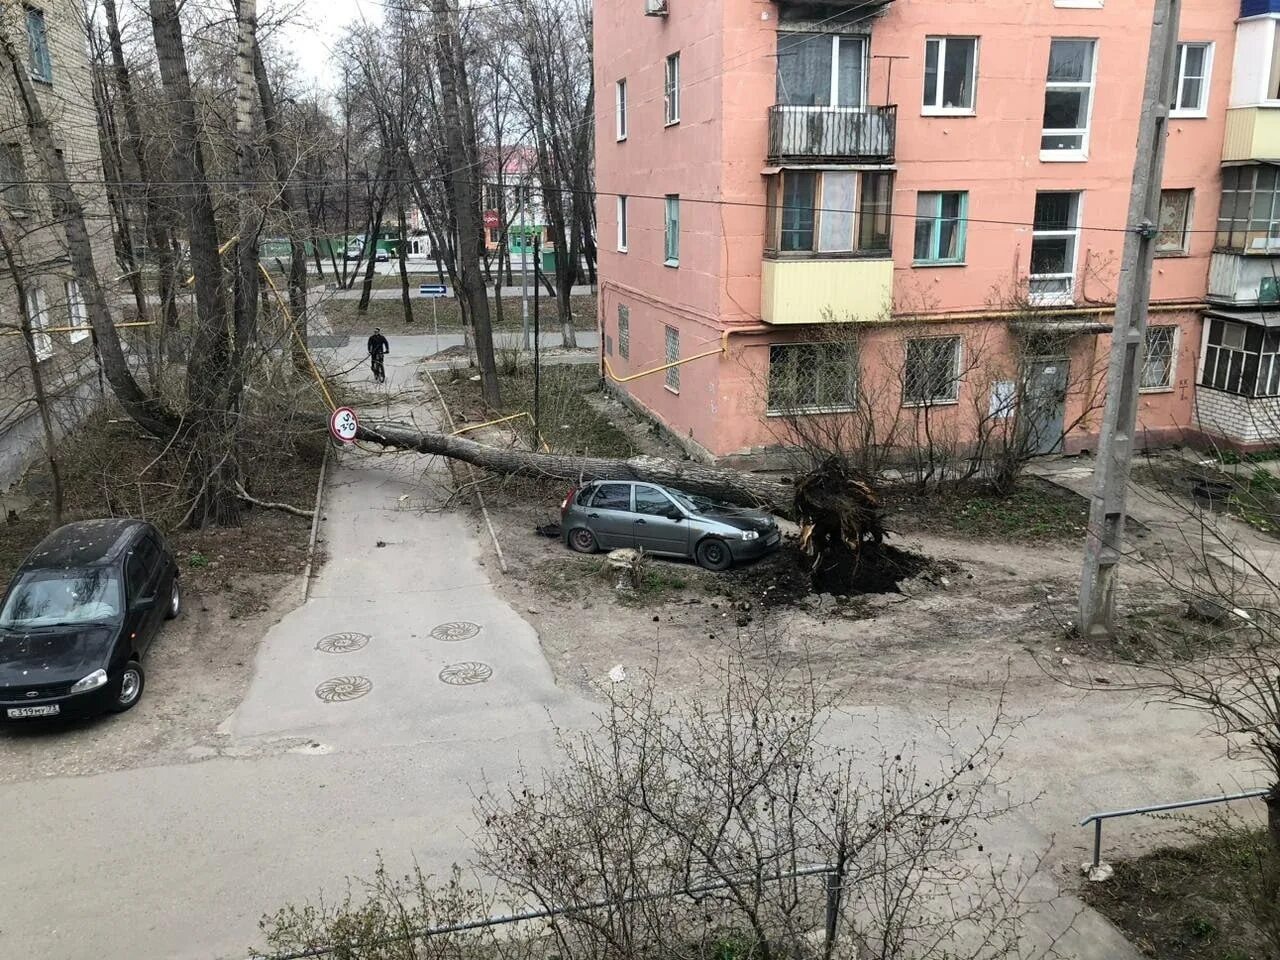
pixel 22 713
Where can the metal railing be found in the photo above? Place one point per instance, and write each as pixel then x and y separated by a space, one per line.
pixel 833 886
pixel 832 133
pixel 1097 818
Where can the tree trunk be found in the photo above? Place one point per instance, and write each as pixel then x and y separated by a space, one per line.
pixel 406 300
pixel 212 427
pixel 248 264
pixel 147 411
pixel 731 486
pixel 371 249
pixel 462 197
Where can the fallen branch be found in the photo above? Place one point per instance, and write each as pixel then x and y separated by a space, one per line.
pixel 267 505
pixel 731 486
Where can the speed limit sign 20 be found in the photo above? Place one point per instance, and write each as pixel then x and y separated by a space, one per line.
pixel 344 425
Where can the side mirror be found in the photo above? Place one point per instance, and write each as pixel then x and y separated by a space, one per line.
pixel 142 603
pixel 674 515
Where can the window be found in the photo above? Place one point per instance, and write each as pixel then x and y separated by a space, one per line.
pixel 1191 86
pixel 38 313
pixel 673 230
pixel 624 332
pixel 1068 100
pixel 812 377
pixel 1157 366
pixel 652 502
pixel 830 212
pixel 1242 358
pixel 620 101
pixel 622 224
pixel 673 354
pixel 38 46
pixel 941 227
pixel 671 89
pixel 821 70
pixel 1175 219
pixel 950 74
pixel 13 176
pixel 1054 243
pixel 1249 218
pixel 77 314
pixel 1273 86
pixel 932 371
pixel 612 496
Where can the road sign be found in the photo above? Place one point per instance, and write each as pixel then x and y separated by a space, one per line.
pixel 343 424
pixel 433 290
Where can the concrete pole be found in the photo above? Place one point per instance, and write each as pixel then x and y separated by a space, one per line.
pixel 1105 542
pixel 524 268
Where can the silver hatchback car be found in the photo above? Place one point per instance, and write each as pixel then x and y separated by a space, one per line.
pixel 609 514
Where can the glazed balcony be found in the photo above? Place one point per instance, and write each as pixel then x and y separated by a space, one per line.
pixel 832 134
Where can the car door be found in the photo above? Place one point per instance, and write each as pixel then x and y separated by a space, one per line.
pixel 610 516
pixel 142 573
pixel 657 528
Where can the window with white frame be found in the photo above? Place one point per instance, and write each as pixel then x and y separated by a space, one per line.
pixel 673 354
pixel 624 332
pixel 830 212
pixel 1068 99
pixel 1055 244
pixel 1175 222
pixel 672 230
pixel 812 377
pixel 1158 362
pixel 932 371
pixel 1241 358
pixel 821 70
pixel 620 108
pixel 671 89
pixel 622 224
pixel 950 74
pixel 1249 217
pixel 1191 86
pixel 77 312
pixel 941 227
pixel 38 314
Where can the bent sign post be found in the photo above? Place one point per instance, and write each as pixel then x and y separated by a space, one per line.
pixel 343 425
pixel 434 291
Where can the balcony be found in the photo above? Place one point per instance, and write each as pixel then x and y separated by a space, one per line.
pixel 826 291
pixel 1253 133
pixel 1245 281
pixel 832 134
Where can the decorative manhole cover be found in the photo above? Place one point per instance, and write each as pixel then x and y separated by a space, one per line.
pixel 342 689
pixel 343 643
pixel 455 631
pixel 465 674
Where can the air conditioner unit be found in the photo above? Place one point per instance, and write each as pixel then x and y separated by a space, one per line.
pixel 655 8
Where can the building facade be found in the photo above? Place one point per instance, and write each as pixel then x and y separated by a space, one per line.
pixel 908 216
pixel 52 36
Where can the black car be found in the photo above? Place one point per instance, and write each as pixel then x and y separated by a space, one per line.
pixel 78 617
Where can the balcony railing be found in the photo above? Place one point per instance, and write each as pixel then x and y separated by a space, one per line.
pixel 817 134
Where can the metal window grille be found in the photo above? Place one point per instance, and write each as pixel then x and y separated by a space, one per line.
pixel 932 370
pixel 673 354
pixel 624 332
pixel 1157 368
pixel 812 377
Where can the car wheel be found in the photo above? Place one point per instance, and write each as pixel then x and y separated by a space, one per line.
pixel 713 554
pixel 175 601
pixel 130 689
pixel 583 540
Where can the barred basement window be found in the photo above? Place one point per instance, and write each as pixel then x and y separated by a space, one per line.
pixel 932 371
pixel 624 332
pixel 1157 368
pixel 673 354
pixel 812 377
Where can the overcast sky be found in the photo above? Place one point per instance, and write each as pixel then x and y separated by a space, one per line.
pixel 312 44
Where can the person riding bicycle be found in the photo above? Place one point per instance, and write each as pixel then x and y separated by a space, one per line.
pixel 378 348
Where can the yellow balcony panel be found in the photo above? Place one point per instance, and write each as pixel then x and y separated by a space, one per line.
pixel 1253 133
pixel 826 291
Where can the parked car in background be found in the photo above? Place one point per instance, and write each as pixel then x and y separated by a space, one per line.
pixel 78 617
pixel 609 514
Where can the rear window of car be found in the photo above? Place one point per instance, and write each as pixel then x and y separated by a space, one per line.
pixel 612 496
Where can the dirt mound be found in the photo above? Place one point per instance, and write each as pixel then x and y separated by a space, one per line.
pixel 785 578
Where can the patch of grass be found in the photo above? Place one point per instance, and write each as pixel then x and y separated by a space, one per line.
pixel 1252 497
pixel 345 315
pixel 1034 512
pixel 1204 901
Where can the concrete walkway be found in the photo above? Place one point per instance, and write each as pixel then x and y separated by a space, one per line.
pixel 393 293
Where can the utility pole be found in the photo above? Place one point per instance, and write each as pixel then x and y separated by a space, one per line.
pixel 537 348
pixel 1105 542
pixel 524 267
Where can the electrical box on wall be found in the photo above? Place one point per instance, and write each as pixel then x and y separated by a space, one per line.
pixel 655 8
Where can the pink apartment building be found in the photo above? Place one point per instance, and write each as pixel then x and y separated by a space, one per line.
pixel 836 200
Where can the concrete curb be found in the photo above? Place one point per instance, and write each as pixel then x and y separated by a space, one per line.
pixel 315 527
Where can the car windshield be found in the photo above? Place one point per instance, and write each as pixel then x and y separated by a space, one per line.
pixel 692 502
pixel 44 598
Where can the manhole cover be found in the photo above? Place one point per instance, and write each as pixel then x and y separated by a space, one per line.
pixel 458 630
pixel 465 674
pixel 342 689
pixel 343 643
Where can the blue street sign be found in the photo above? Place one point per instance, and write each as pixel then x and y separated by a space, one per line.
pixel 433 290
